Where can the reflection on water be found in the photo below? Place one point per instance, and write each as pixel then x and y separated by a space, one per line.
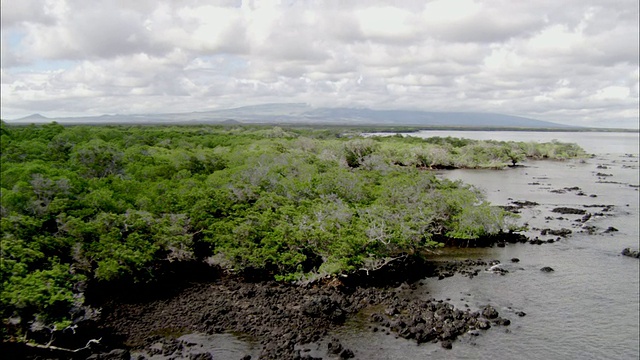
pixel 203 346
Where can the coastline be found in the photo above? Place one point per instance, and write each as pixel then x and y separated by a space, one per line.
pixel 603 195
pixel 287 321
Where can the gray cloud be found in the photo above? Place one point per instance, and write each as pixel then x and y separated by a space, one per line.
pixel 15 13
pixel 572 61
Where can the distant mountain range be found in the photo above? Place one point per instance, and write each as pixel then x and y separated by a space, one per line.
pixel 303 114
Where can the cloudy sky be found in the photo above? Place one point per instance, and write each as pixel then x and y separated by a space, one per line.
pixel 570 61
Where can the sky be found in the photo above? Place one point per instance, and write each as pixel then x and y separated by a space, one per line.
pixel 571 61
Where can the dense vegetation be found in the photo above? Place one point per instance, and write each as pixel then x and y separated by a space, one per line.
pixel 87 204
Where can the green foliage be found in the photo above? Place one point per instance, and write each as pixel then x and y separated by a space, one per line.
pixel 477 221
pixel 437 152
pixel 44 291
pixel 114 203
pixel 357 150
pixel 97 158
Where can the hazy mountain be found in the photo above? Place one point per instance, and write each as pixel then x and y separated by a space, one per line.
pixel 34 118
pixel 305 114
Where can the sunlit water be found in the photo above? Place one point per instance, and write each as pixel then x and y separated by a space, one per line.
pixel 588 308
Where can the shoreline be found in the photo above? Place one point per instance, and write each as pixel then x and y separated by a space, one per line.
pixel 286 320
pixel 148 320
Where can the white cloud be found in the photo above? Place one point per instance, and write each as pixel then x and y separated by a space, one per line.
pixel 387 23
pixel 612 93
pixel 573 61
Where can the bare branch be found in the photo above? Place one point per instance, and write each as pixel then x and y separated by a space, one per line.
pixel 57 348
pixel 382 264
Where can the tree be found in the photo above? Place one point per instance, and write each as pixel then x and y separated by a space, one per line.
pixel 514 153
pixel 97 158
pixel 356 150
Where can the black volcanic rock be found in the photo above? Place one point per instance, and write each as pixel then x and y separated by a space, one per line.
pixel 631 253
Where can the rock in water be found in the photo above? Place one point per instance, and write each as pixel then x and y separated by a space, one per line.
pixel 562 232
pixel 116 354
pixel 489 312
pixel 483 324
pixel 334 347
pixel 631 253
pixel 201 356
pixel 567 210
pixel 547 269
pixel 346 354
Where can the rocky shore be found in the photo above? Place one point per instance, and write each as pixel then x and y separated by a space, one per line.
pixel 286 318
